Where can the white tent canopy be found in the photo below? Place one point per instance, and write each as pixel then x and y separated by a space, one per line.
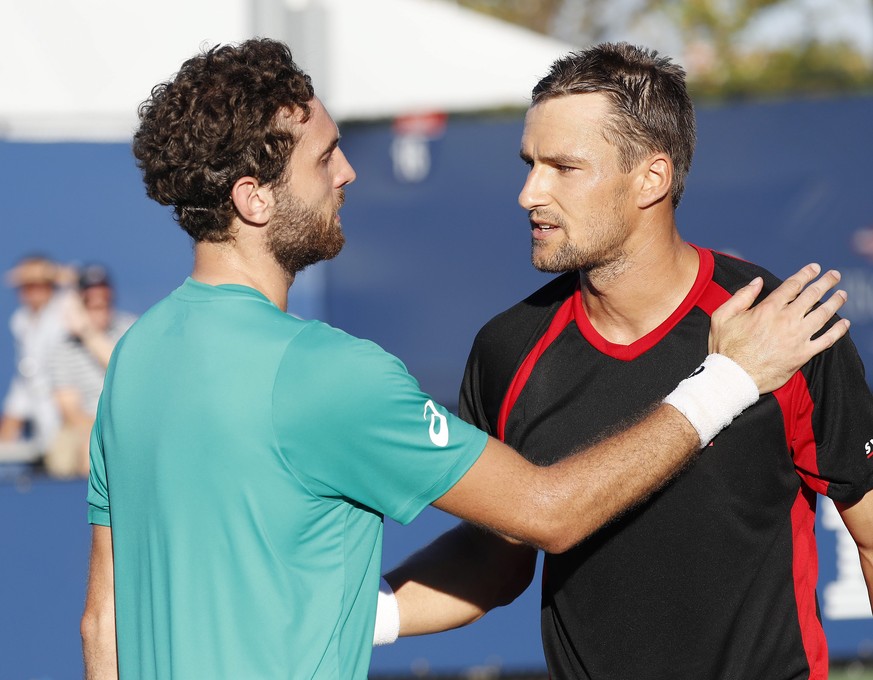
pixel 378 58
pixel 78 70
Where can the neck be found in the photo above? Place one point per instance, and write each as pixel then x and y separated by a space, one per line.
pixel 626 301
pixel 221 263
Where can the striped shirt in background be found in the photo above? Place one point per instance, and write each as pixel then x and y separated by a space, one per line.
pixel 71 365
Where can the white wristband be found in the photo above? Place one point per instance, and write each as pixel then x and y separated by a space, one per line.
pixel 711 397
pixel 387 616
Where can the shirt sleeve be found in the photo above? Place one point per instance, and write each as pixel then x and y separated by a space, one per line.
pixel 354 424
pixel 98 490
pixel 831 429
pixel 470 405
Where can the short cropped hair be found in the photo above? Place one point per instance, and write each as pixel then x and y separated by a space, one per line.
pixel 214 122
pixel 651 108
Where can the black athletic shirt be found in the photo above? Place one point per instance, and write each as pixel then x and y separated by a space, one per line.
pixel 714 577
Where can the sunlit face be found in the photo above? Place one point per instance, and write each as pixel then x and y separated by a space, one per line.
pixel 576 195
pixel 305 226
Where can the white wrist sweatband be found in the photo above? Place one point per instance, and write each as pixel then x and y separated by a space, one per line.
pixel 387 616
pixel 711 397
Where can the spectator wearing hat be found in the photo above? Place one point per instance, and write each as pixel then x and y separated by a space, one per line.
pixel 77 368
pixel 37 327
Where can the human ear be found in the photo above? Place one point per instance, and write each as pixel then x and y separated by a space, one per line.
pixel 657 180
pixel 253 201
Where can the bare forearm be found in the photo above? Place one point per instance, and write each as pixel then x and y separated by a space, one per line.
pixel 867 569
pixel 555 507
pixel 98 649
pixel 98 620
pixel 858 518
pixel 459 577
pixel 468 571
pixel 424 609
pixel 589 489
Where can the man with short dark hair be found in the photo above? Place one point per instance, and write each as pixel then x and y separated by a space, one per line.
pixel 242 459
pixel 714 576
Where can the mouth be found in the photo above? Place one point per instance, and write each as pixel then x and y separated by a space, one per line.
pixel 541 230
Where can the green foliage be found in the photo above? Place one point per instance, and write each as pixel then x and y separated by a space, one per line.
pixel 811 69
pixel 713 29
pixel 534 14
pixel 851 672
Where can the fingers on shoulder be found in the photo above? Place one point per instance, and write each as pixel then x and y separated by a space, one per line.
pixel 741 300
pixel 791 287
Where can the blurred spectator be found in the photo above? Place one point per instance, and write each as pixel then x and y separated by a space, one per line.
pixel 77 368
pixel 37 327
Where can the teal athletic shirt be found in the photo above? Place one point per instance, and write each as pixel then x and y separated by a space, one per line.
pixel 244 460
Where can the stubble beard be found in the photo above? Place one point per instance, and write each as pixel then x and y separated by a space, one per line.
pixel 301 236
pixel 569 257
pixel 603 256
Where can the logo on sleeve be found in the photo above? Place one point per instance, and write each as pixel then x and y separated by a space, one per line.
pixel 439 427
pixel 868 448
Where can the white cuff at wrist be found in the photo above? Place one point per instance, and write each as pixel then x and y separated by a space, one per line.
pixel 387 616
pixel 713 395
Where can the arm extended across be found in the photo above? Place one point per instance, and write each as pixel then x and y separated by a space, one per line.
pixel 452 581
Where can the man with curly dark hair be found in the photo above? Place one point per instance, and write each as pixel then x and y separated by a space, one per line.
pixel 242 459
pixel 195 141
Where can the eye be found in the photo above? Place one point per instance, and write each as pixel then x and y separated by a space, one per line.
pixel 564 169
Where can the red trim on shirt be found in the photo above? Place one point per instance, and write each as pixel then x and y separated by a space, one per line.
pixel 805 568
pixel 560 321
pixel 645 343
pixel 713 297
pixel 704 293
pixel 796 405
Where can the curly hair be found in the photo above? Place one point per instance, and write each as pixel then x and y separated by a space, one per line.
pixel 651 108
pixel 214 122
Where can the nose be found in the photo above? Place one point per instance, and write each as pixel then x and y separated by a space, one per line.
pixel 532 193
pixel 345 173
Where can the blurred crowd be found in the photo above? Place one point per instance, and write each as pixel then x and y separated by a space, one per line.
pixel 64 330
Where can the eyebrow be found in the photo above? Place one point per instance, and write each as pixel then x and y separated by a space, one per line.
pixel 554 159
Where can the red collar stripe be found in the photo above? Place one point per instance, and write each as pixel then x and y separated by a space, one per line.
pixel 560 321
